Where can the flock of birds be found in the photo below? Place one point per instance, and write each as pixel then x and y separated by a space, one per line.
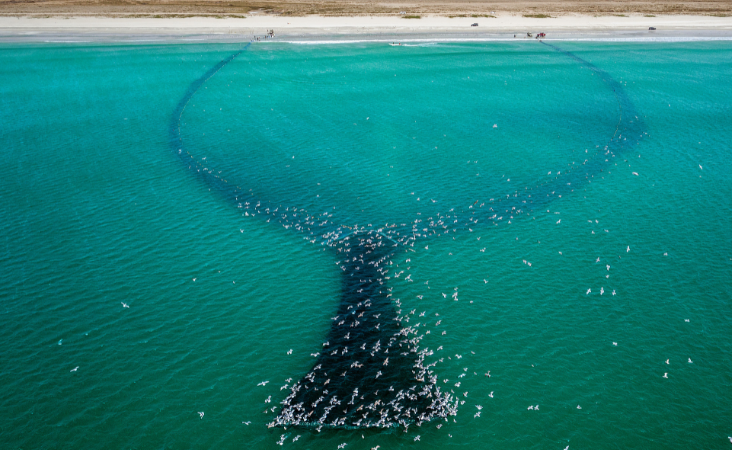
pixel 373 370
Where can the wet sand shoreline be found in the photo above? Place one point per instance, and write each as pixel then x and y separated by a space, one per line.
pixel 363 28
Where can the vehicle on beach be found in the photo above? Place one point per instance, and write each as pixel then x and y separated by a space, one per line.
pixel 652 29
pixel 540 35
pixel 474 25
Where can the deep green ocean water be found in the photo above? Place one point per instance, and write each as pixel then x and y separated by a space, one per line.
pixel 96 210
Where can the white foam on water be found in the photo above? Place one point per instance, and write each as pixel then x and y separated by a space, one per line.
pixel 497 39
pixel 651 39
pixel 427 44
pixel 402 41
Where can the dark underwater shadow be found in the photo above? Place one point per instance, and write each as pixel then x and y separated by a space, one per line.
pixel 372 371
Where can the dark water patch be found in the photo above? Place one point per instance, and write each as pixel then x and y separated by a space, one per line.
pixel 372 371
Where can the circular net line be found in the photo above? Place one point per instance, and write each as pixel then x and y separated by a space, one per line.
pixel 372 371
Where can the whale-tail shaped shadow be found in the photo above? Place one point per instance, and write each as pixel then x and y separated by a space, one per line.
pixel 371 371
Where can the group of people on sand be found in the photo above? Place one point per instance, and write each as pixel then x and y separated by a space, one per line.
pixel 538 35
pixel 268 35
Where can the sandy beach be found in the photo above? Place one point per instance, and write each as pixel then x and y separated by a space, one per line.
pixel 503 26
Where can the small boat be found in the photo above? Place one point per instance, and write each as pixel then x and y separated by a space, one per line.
pixel 395 44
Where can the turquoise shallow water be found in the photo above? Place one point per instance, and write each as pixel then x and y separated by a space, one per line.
pixel 97 210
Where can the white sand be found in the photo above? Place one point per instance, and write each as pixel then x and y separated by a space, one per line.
pixel 567 26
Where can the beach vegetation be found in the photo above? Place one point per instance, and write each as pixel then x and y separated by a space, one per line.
pixel 471 15
pixel 411 17
pixel 649 15
pixel 179 16
pixel 538 16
